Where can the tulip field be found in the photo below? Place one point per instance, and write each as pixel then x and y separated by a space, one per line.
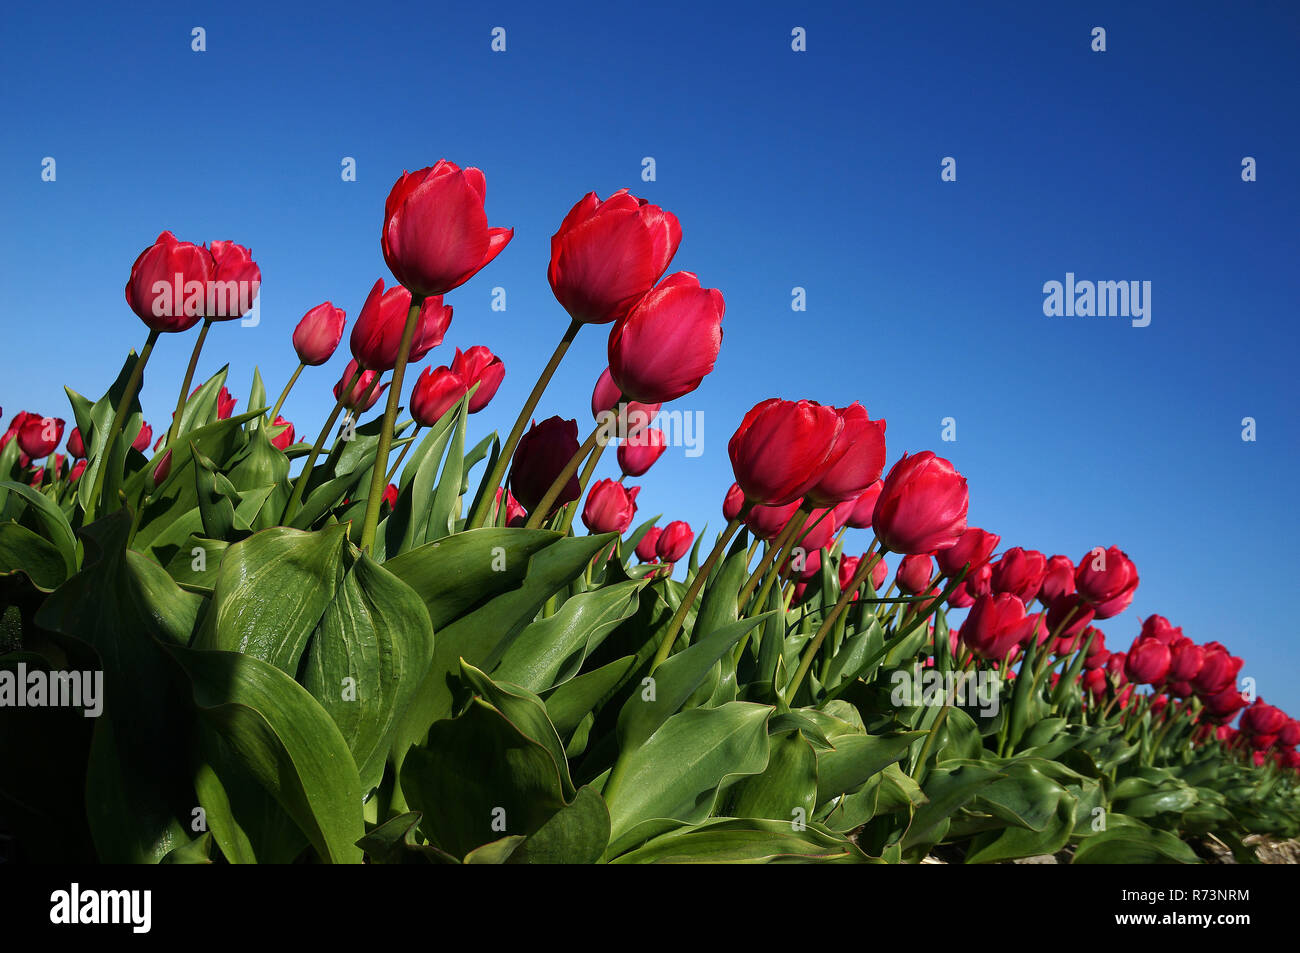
pixel 390 637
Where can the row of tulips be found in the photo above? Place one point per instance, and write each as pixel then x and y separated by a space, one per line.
pixel 377 658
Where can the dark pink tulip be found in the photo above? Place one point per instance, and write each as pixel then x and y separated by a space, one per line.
pixel 390 495
pixel 961 597
pixel 1095 681
pixel 225 404
pixel 973 547
pixel 1218 670
pixel 607 255
pixel 1020 572
pixel 358 391
pixel 914 573
pixel 992 627
pixel 1058 579
pixel 479 366
pixel 38 436
pixel 1107 579
pixel 822 524
pixel 318 334
pixel 1225 704
pixel 1068 616
pixel 1289 735
pixel 436 391
pixel 879 573
pixel 76 448
pixel 674 542
pixel 168 286
pixel 78 469
pixel 1115 665
pixel 766 522
pixel 142 439
pixel 163 468
pixel 377 332
pixel 859 466
pixel 922 506
pixel 1186 658
pixel 980 581
pixel 1158 627
pixel 516 515
pixel 1033 627
pixel 1147 662
pixel 847 568
pixel 733 503
pixel 610 507
pixel 236 279
pixel 666 345
pixel 645 549
pixel 1263 719
pixel 284 439
pixel 1097 652
pixel 605 400
pixel 864 506
pixel 436 236
pixel 638 453
pixel 541 455
pixel 782 448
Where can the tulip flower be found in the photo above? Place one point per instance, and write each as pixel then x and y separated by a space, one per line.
pixel 1115 665
pixel 961 597
pixel 666 345
pixel 674 542
pixel 362 388
pixel 163 468
pixel 847 568
pixel 1095 681
pixel 733 503
pixel 979 581
pixel 390 495
pixel 645 549
pixel 168 286
pixel 541 456
pixel 638 453
pixel 436 391
pixel 1262 719
pixel 1107 579
pixel 973 548
pixel 225 404
pixel 914 573
pixel 1218 670
pixel 1068 616
pixel 782 448
pixel 1158 627
pixel 1225 704
pixel 78 469
pixel 608 254
pixel 235 281
pixel 1058 579
pixel 38 436
pixel 1185 659
pixel 992 627
pixel 1020 572
pixel 922 505
pixel 610 507
pixel 864 506
pixel 436 236
pixel 142 439
pixel 1033 627
pixel 1147 662
pixel 861 463
pixel 479 366
pixel 516 515
pixel 76 447
pixel 377 332
pixel 284 439
pixel 767 522
pixel 318 334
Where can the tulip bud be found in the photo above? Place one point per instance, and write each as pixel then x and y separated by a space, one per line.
pixel 236 279
pixel 674 542
pixel 1158 627
pixel 973 547
pixel 606 399
pixel 607 255
pixel 1058 579
pixel 922 505
pixel 1147 662
pixel 1020 572
pixel 479 366
pixel 914 573
pixel 666 345
pixel 163 468
pixel 1263 719
pixel 733 503
pixel 436 236
pixel 543 452
pixel 610 507
pixel 377 332
pixel 645 549
pixel 859 466
pixel 1067 617
pixel 284 439
pixel 1185 659
pixel 436 391
pixel 359 389
pixel 992 627
pixel 848 567
pixel 782 448
pixel 78 469
pixel 318 334
pixel 766 522
pixel 516 515
pixel 169 284
pixel 390 495
pixel 864 506
pixel 1107 579
pixel 638 453
pixel 1218 670
pixel 225 404
pixel 38 436
pixel 142 439
pixel 76 448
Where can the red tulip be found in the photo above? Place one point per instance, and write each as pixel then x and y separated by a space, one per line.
pixel 733 503
pixel 879 573
pixel 848 567
pixel 38 436
pixel 980 581
pixel 766 522
pixel 859 466
pixel 1147 662
pixel 76 448
pixel 610 507
pixel 168 286
pixel 1058 579
pixel 284 439
pixel 973 547
pixel 607 255
pixel 1158 627
pixel 992 627
pixel 479 366
pixel 821 525
pixel 1107 579
pixel 922 506
pixel 1095 681
pixel 914 573
pixel 358 391
pixel 1032 627
pixel 674 542
pixel 225 404
pixel 436 236
pixel 542 453
pixel 236 279
pixel 377 332
pixel 1185 659
pixel 1097 653
pixel 638 453
pixel 141 441
pixel 961 597
pixel 666 345
pixel 1068 616
pixel 645 549
pixel 162 468
pixel 516 515
pixel 436 391
pixel 1289 735
pixel 78 469
pixel 1115 665
pixel 605 399
pixel 1020 572
pixel 390 495
pixel 1218 670
pixel 1224 705
pixel 865 505
pixel 1263 719
pixel 318 334
pixel 782 448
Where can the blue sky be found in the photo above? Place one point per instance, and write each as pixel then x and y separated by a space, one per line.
pixel 818 169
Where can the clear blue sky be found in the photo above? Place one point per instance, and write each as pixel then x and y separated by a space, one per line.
pixel 817 169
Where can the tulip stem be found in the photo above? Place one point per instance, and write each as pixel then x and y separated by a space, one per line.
pixel 777 545
pixel 175 428
pixel 119 418
pixel 869 561
pixel 688 600
pixel 377 484
pixel 285 393
pixel 583 480
pixel 300 486
pixel 801 517
pixel 402 456
pixel 493 481
pixel 542 510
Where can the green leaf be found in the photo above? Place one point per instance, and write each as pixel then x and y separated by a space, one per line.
pixel 575 834
pixel 855 758
pixel 787 787
pixel 1134 845
pixel 567 704
pixel 747 841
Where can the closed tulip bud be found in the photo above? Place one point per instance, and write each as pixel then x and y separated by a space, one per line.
pixel 864 506
pixel 1020 572
pixel 358 390
pixel 980 581
pixel 847 568
pixel 1185 659
pixel 973 547
pixel 914 573
pixel 168 286
pixel 610 507
pixel 1033 627
pixel 1147 662
pixel 390 495
pixel 225 404
pixel 961 597
pixel 543 452
pixel 516 515
pixel 1097 652
pixel 377 332
pixel 1058 579
pixel 859 466
pixel 605 400
pixel 1068 616
pixel 1218 670
pixel 922 506
pixel 1289 735
pixel 1158 627
pixel 879 573
pixel 38 436
pixel 284 439
pixel 674 542
pixel 638 453
pixel 666 345
pixel 992 627
pixel 318 334
pixel 821 525
pixel 436 391
pixel 1107 579
pixel 733 503
pixel 766 522
pixel 163 468
pixel 37 478
pixel 236 279
pixel 436 236
pixel 782 448
pixel 812 565
pixel 479 366
pixel 1224 705
pixel 645 549
pixel 1115 665
pixel 1263 719
pixel 142 439
pixel 1095 682
pixel 76 448
pixel 607 255
pixel 78 469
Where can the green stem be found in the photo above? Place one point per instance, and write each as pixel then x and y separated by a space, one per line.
pixel 300 486
pixel 115 428
pixel 493 482
pixel 285 393
pixel 583 481
pixel 775 572
pixel 174 429
pixel 775 546
pixel 688 600
pixel 402 456
pixel 377 484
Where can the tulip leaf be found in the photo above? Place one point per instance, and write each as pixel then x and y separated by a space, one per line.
pixel 745 841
